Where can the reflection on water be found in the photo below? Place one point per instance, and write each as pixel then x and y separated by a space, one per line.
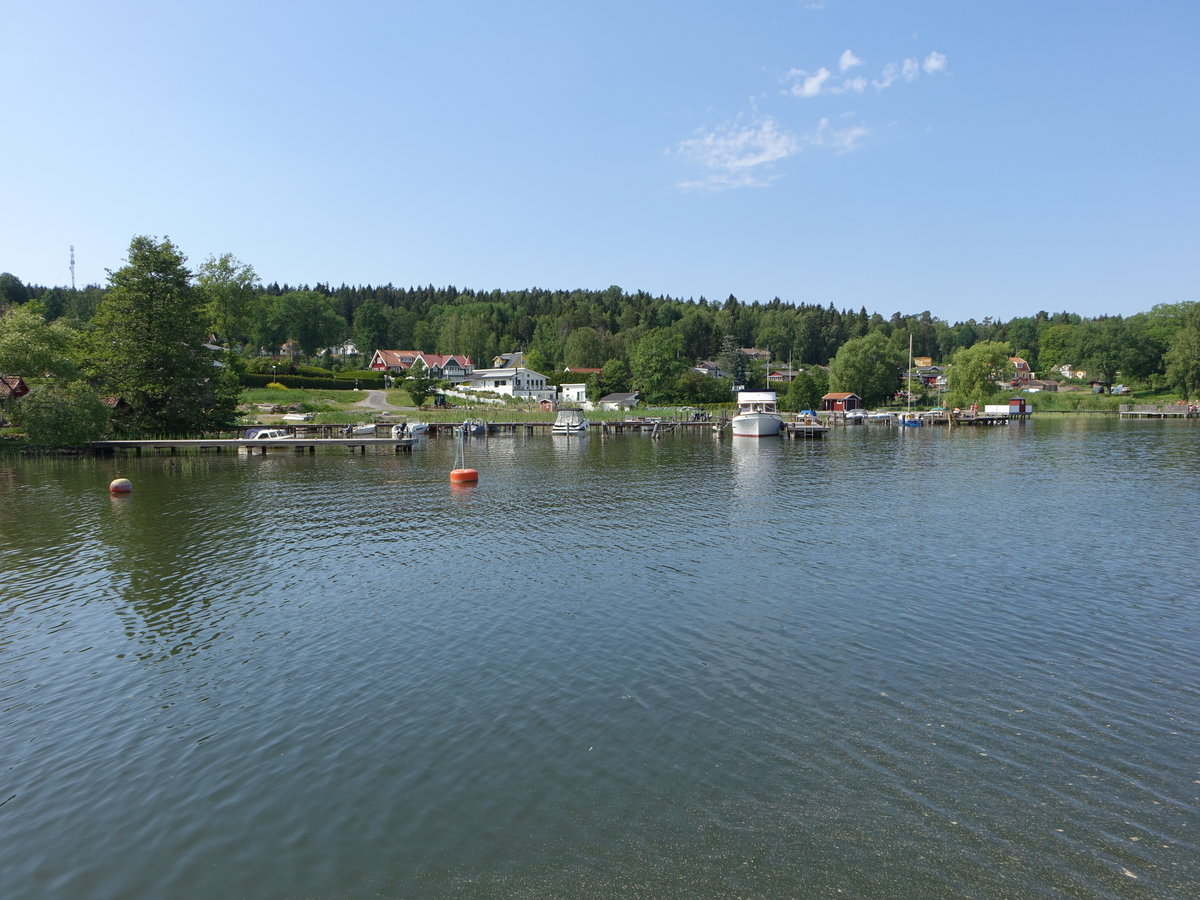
pixel 889 663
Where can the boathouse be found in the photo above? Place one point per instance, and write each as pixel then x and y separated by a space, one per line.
pixel 840 402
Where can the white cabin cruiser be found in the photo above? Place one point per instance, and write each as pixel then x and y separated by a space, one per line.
pixel 757 415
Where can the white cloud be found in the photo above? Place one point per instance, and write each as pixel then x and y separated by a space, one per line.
pixel 850 85
pixel 810 85
pixel 848 61
pixel 887 77
pixel 909 70
pixel 845 139
pixel 733 154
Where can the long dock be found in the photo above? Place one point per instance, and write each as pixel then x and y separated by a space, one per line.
pixel 218 445
pixel 1158 411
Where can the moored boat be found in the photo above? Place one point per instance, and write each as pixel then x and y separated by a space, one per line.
pixel 569 420
pixel 409 429
pixel 757 415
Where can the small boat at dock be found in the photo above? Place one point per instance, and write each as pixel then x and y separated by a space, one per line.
pixel 569 420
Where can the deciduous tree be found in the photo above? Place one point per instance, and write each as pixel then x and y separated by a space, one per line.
pixel 976 372
pixel 34 348
pixel 869 366
pixel 226 286
pixel 147 346
pixel 1183 362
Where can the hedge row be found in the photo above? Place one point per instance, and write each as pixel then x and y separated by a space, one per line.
pixel 373 382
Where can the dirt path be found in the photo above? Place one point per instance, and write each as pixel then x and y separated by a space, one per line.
pixel 377 400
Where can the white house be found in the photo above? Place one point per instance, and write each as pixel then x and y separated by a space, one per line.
pixel 573 393
pixel 618 401
pixel 512 382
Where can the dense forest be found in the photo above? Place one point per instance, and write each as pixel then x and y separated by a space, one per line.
pixel 643 342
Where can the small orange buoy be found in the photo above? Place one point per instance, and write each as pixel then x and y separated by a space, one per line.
pixel 463 476
pixel 120 486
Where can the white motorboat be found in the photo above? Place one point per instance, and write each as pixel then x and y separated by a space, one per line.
pixel 409 429
pixel 569 421
pixel 757 415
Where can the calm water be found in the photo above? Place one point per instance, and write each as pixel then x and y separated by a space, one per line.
pixel 891 664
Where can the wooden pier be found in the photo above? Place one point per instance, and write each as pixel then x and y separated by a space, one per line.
pixel 1158 411
pixel 808 430
pixel 219 445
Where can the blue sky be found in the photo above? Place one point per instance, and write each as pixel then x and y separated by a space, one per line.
pixel 971 159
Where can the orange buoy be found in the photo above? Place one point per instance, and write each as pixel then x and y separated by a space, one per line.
pixel 463 476
pixel 120 486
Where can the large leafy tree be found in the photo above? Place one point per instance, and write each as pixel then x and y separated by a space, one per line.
pixel 148 349
pixel 869 366
pixel 1103 346
pixel 585 347
pixel 226 285
pixel 1183 362
pixel 806 390
pixel 371 329
pixel 310 320
pixel 63 414
pixel 976 372
pixel 34 348
pixel 655 365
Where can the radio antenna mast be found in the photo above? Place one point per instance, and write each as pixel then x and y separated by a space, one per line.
pixel 72 267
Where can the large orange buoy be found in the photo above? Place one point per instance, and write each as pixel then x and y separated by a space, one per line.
pixel 120 486
pixel 463 476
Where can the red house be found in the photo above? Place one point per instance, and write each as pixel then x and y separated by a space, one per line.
pixel 834 402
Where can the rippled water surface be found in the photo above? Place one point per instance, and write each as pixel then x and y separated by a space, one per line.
pixel 891 664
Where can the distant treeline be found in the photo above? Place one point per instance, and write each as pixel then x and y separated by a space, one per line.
pixel 593 328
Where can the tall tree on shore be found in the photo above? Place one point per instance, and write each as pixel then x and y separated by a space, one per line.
pixel 1183 362
pixel 226 285
pixel 977 372
pixel 148 346
pixel 869 366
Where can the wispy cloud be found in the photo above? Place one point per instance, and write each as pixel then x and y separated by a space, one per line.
pixel 807 85
pixel 854 85
pixel 909 70
pixel 737 155
pixel 843 139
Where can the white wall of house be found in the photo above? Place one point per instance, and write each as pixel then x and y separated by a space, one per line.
pixel 572 393
pixel 517 382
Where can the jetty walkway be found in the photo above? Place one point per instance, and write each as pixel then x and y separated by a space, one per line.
pixel 250 445
pixel 1159 411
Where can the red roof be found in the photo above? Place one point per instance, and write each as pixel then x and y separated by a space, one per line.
pixel 402 359
pixel 13 386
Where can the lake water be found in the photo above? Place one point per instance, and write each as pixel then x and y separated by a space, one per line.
pixel 895 663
